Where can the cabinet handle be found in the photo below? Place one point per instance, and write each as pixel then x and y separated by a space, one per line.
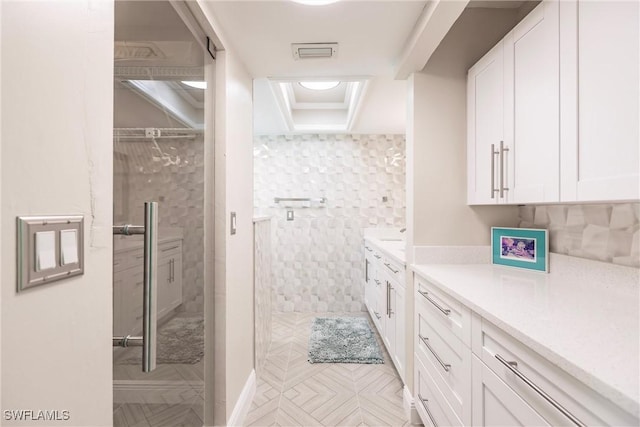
pixel 170 249
pixel 391 268
pixel 494 190
pixel 513 367
pixel 377 256
pixel 377 315
pixel 445 366
pixel 446 311
pixel 388 298
pixel 368 248
pixel 377 282
pixel 426 408
pixel 502 171
pixel 366 270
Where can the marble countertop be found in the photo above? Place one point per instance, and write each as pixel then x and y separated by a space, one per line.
pixel 583 316
pixel 392 247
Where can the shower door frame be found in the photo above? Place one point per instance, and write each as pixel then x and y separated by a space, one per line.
pixel 196 21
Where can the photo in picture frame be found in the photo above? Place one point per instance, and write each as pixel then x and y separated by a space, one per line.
pixel 525 248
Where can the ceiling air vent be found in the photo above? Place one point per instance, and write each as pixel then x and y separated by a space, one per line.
pixel 314 50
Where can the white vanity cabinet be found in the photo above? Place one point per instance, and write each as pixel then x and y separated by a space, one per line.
pixel 553 108
pixel 385 300
pixel 468 371
pixel 128 275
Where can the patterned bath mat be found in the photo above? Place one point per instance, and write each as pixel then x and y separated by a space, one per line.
pixel 343 340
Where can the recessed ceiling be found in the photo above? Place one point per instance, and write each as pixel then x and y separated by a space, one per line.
pixel 370 34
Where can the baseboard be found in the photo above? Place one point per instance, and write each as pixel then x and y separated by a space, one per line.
pixel 243 404
pixel 410 411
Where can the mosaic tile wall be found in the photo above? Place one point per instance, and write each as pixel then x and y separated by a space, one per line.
pixel 603 232
pixel 318 260
pixel 171 172
pixel 263 282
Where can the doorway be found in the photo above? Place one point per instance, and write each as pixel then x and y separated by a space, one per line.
pixel 159 156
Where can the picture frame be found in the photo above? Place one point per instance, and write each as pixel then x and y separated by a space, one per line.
pixel 525 248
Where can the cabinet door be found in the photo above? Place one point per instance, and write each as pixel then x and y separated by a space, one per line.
pixel 495 404
pixel 531 166
pixel 600 45
pixel 485 126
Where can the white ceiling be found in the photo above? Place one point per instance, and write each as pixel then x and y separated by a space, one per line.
pixel 371 35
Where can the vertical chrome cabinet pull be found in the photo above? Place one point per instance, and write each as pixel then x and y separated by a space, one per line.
pixel 366 270
pixel 502 169
pixel 513 367
pixel 150 287
pixel 446 311
pixel 426 408
pixel 494 190
pixel 445 366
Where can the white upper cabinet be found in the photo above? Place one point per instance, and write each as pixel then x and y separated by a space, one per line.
pixel 562 114
pixel 485 126
pixel 531 166
pixel 600 44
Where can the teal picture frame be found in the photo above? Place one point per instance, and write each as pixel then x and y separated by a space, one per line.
pixel 525 248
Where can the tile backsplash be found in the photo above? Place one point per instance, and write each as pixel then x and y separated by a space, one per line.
pixel 603 232
pixel 318 260
pixel 171 172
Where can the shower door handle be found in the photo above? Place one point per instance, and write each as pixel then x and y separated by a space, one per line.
pixel 150 293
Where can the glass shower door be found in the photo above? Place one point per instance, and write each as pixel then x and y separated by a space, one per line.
pixel 159 103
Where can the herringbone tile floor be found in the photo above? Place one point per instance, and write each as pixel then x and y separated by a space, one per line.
pixel 293 392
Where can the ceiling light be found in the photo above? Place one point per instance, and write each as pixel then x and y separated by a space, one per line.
pixel 195 84
pixel 315 2
pixel 319 85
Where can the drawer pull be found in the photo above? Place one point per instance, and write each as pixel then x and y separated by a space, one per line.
pixel 377 281
pixel 446 311
pixel 170 249
pixel 377 256
pixel 426 408
pixel 368 248
pixel 513 367
pixel 391 268
pixel 445 366
pixel 377 315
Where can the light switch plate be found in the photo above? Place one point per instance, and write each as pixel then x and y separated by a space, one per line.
pixel 50 248
pixel 233 223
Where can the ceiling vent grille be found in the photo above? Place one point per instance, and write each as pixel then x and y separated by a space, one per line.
pixel 314 50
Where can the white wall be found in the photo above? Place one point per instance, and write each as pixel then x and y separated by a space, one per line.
pixel 57 89
pixel 234 253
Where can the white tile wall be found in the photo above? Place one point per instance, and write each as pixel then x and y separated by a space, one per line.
pixel 263 283
pixel 170 172
pixel 318 260
pixel 603 232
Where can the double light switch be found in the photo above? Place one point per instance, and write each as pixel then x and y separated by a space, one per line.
pixel 49 248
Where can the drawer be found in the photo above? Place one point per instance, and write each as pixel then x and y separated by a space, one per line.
pixel 430 403
pixel 445 311
pixel 520 361
pixel 395 270
pixel 448 362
